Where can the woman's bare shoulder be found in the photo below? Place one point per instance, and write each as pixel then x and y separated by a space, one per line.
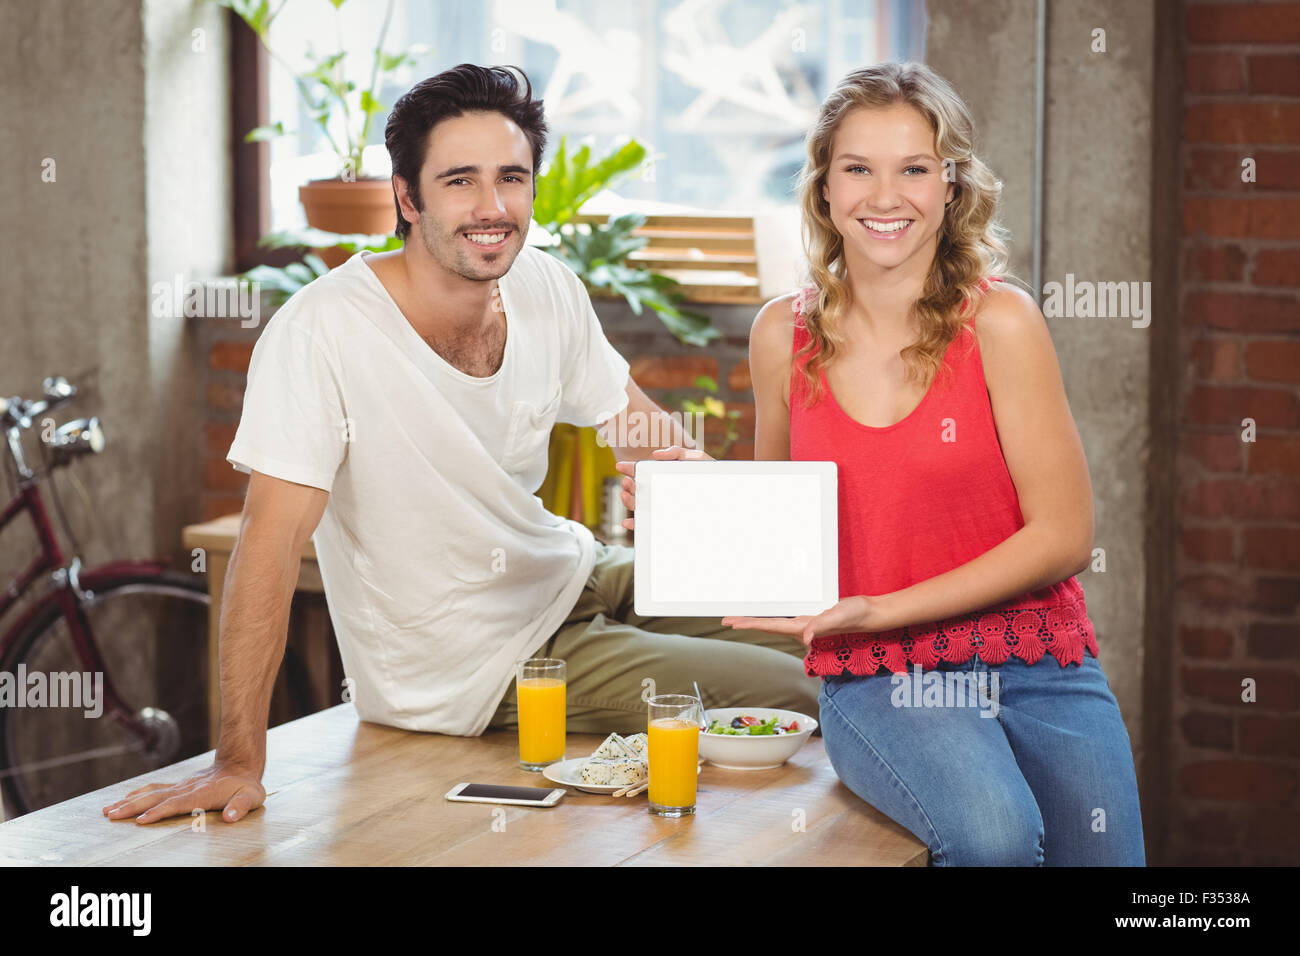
pixel 1007 314
pixel 772 333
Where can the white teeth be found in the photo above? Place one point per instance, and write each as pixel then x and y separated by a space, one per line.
pixel 486 239
pixel 887 226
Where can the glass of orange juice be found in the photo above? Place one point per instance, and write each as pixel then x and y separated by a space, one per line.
pixel 540 697
pixel 674 752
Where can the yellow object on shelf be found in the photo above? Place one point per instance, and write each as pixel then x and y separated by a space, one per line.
pixel 577 470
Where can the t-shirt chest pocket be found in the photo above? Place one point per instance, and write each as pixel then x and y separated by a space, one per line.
pixel 529 433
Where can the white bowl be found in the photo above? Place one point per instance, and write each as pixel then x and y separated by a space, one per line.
pixel 746 752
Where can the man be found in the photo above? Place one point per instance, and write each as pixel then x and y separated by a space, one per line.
pixel 398 412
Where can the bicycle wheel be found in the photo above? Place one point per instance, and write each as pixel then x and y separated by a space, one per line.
pixel 152 633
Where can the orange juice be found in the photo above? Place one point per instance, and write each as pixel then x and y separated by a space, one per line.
pixel 541 719
pixel 674 748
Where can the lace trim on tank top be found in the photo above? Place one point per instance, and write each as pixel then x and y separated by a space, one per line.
pixel 1028 633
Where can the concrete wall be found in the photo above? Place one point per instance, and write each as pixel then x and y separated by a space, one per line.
pixel 133 108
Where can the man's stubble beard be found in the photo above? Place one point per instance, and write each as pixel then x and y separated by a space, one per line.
pixel 445 249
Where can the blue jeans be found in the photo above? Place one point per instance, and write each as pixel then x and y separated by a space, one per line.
pixel 1035 769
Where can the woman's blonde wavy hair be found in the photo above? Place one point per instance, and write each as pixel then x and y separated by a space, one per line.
pixel 971 243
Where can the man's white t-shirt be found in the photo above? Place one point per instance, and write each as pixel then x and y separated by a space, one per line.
pixel 441 566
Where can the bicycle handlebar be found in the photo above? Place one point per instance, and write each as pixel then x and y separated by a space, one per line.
pixel 20 411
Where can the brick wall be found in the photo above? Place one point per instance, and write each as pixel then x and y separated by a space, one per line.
pixel 1236 765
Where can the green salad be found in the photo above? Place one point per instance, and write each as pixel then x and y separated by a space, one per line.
pixel 753 726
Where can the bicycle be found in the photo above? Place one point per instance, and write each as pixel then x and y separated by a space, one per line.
pixel 135 629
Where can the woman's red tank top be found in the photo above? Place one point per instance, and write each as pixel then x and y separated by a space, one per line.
pixel 917 499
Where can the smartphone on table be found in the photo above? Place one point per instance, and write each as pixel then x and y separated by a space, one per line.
pixel 496 793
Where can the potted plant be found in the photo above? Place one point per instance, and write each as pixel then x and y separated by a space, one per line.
pixel 598 254
pixel 353 201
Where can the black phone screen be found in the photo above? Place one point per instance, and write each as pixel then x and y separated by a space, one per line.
pixel 490 791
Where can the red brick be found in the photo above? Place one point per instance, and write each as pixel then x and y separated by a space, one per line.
pixel 1274 455
pixel 1273 360
pixel 219 437
pixel 1215 264
pixel 1251 498
pixel 1270 736
pixel 231 356
pixel 1181 853
pixel 1215 72
pixel 1273 641
pixel 1210 589
pixel 1274 828
pixel 223 397
pixel 1245 122
pixel 1213 826
pixel 1275 549
pixel 1214 23
pixel 220 475
pixel 1207 730
pixel 1276 595
pixel 1219 168
pixel 1243 312
pixel 738 377
pixel 1276 267
pixel 1207 545
pixel 218 506
pixel 676 371
pixel 1213 642
pixel 741 451
pixel 744 422
pixel 1215 453
pixel 1212 684
pixel 1231 405
pixel 1243 781
pixel 1217 360
pixel 1269 74
pixel 1231 217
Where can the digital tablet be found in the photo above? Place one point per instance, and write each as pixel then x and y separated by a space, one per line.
pixel 752 538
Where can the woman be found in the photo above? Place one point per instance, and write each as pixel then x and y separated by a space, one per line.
pixel 965 502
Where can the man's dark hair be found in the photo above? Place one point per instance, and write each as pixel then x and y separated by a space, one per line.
pixel 462 89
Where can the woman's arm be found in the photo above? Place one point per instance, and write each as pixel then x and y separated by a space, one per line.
pixel 1045 459
pixel 771 341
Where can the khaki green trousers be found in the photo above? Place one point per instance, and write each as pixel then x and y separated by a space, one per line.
pixel 611 654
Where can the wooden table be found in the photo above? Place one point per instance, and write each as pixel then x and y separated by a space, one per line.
pixel 341 792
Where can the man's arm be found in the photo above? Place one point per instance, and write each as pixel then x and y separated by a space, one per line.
pixel 641 427
pixel 278 519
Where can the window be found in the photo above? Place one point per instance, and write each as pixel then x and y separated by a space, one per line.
pixel 721 92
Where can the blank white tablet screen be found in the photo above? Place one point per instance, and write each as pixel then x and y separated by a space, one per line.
pixel 736 538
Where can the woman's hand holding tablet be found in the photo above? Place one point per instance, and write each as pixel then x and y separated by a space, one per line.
pixel 848 616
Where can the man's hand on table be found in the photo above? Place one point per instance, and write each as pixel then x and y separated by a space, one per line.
pixel 628 470
pixel 233 789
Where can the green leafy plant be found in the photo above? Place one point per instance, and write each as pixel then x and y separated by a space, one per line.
pixel 598 254
pixel 277 283
pixel 710 406
pixel 333 102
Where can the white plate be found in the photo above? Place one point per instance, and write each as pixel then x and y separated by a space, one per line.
pixel 566 772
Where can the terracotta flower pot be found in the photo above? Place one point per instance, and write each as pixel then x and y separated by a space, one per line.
pixel 364 205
